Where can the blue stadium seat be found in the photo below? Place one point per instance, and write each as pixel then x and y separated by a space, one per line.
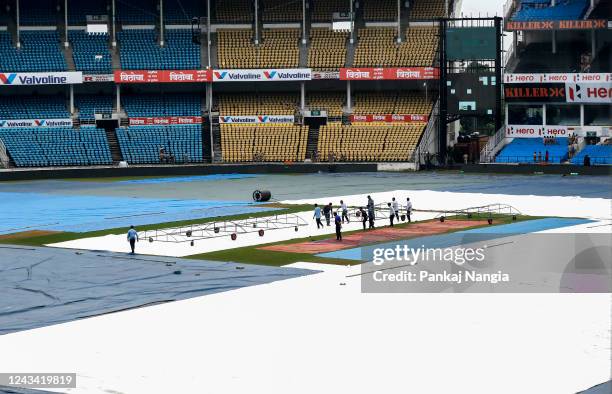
pixel 89 104
pixel 521 150
pixel 41 147
pixel 90 52
pixel 46 12
pixel 531 10
pixel 166 105
pixel 137 11
pixel 33 107
pixel 140 145
pixel 139 50
pixel 40 51
pixel 599 154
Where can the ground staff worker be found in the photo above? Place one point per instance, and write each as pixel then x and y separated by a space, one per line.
pixel 395 207
pixel 364 217
pixel 344 211
pixel 408 208
pixel 327 210
pixel 317 216
pixel 338 222
pixel 132 237
pixel 391 213
pixel 371 211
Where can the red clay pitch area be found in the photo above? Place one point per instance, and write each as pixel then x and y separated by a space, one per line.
pixel 367 237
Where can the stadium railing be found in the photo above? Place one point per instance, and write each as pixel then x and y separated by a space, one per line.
pixel 491 148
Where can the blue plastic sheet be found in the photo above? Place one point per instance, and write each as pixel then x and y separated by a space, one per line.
pixel 29 211
pixel 44 286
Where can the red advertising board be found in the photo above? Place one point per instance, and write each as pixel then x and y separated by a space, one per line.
pixel 162 76
pixel 166 120
pixel 393 73
pixel 396 118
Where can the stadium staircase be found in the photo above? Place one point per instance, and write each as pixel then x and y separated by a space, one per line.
pixel 312 142
pixel 213 50
pixel 216 133
pixel 113 145
pixel 67 51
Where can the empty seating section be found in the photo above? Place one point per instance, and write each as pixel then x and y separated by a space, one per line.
pixel 33 107
pixel 419 47
pixel 90 104
pixel 182 11
pixel 378 47
pixel 562 10
pixel 375 47
pixel 140 145
pixel 269 142
pixel 78 10
pixel 278 48
pixel 371 142
pixel 327 49
pixel 322 10
pixel 46 12
pixel 140 50
pixel 427 9
pixel 234 11
pixel 137 11
pixel 331 102
pixel 599 155
pixel 90 52
pixel 380 10
pixel 521 150
pixel 40 51
pixel 259 104
pixel 38 147
pixel 382 103
pixel 281 11
pixel 172 104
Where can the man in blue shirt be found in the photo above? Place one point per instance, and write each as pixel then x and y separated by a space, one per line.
pixel 132 237
pixel 317 216
pixel 338 223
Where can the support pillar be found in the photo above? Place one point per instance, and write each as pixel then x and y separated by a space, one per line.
pixel 399 22
pixel 256 22
pixel 66 23
pixel 349 105
pixel 304 37
pixel 17 20
pixel 113 25
pixel 161 23
pixel 71 99
pixel 118 97
pixel 554 42
pixel 302 96
pixel 208 41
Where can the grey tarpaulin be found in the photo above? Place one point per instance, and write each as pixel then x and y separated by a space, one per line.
pixel 43 286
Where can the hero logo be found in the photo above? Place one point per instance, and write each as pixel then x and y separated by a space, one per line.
pixel 559 132
pixel 269 74
pixel 7 79
pixel 220 75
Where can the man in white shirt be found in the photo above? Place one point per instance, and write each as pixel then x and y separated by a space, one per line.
pixel 391 213
pixel 395 206
pixel 132 237
pixel 344 208
pixel 408 208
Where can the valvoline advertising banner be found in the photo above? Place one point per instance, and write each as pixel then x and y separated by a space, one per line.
pixel 44 78
pixel 18 123
pixel 257 119
pixel 262 75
